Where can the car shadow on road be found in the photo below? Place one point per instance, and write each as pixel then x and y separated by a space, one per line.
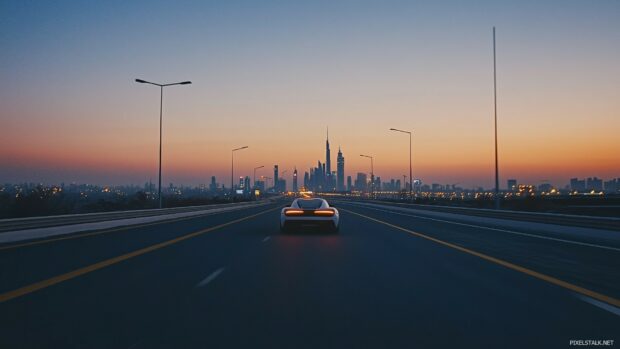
pixel 309 231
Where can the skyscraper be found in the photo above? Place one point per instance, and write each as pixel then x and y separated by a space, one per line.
pixel 295 180
pixel 328 161
pixel 246 184
pixel 213 185
pixel 281 185
pixel 361 183
pixel 275 178
pixel 329 181
pixel 340 169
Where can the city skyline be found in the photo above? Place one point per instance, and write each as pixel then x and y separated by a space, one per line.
pixel 340 65
pixel 318 178
pixel 332 182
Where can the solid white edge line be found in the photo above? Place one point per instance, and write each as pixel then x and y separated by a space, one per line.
pixel 607 307
pixel 497 229
pixel 210 278
pixel 266 238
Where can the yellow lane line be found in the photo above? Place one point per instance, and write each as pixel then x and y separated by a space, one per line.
pixel 547 278
pixel 111 230
pixel 85 270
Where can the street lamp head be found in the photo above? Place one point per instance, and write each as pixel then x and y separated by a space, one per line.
pixel 141 81
pixel 185 83
pixel 399 130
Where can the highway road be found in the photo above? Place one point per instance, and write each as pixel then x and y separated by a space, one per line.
pixel 389 279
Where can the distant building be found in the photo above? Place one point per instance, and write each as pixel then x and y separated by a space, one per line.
pixel 246 184
pixel 316 178
pixel 512 184
pixel 329 180
pixel 361 183
pixel 349 185
pixel 275 177
pixel 545 187
pixel 594 183
pixel 295 189
pixel 260 185
pixel 612 186
pixel 340 171
pixel 281 185
pixel 213 185
pixel 578 185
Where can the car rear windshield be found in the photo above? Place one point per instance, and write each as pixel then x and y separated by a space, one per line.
pixel 310 204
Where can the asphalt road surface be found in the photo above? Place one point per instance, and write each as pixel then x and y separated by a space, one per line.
pixel 388 280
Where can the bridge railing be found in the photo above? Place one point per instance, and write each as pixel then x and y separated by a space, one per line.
pixel 608 223
pixel 13 224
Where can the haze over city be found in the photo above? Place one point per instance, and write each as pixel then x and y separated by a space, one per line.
pixel 273 75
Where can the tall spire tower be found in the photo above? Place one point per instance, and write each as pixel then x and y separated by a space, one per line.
pixel 340 171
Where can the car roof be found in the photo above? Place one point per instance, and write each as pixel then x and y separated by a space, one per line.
pixel 324 203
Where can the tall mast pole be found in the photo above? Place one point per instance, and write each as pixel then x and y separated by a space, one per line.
pixel 495 115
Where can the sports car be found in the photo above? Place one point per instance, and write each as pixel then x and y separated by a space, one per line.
pixel 313 212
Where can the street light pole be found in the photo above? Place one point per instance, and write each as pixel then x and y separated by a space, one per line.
pixel 495 113
pixel 232 169
pixel 161 108
pixel 372 173
pixel 254 177
pixel 410 167
pixel 161 105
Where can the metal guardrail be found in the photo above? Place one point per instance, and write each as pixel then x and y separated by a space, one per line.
pixel 608 223
pixel 13 224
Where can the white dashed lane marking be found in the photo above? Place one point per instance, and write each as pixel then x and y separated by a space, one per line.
pixel 210 278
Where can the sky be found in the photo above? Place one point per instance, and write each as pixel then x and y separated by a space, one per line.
pixel 273 75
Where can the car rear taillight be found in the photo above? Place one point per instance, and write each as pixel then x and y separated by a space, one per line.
pixel 327 213
pixel 293 212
